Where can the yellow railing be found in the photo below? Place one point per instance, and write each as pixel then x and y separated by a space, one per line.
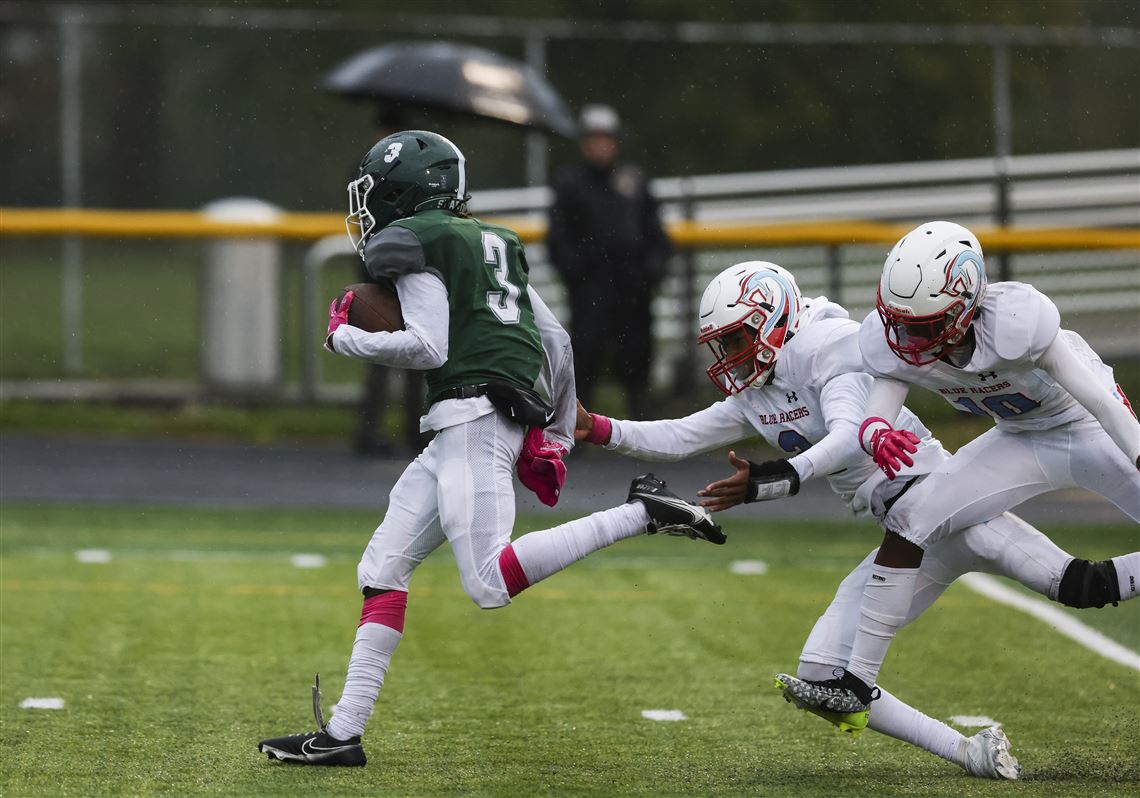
pixel 312 226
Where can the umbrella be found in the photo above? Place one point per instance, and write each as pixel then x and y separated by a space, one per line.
pixel 454 77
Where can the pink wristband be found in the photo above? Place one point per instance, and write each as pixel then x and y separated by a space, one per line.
pixel 867 423
pixel 600 432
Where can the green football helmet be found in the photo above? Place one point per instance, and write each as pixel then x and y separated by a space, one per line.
pixel 402 175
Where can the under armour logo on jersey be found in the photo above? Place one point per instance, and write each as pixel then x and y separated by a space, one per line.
pixel 987 375
pixel 792 397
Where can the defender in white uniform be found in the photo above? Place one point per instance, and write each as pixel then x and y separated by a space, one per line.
pixel 792 370
pixel 999 351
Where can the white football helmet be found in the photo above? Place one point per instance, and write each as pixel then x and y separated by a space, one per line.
pixel 757 300
pixel 932 286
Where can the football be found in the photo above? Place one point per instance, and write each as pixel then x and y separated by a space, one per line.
pixel 374 308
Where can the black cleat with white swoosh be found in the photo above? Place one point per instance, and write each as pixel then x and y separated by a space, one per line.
pixel 670 514
pixel 315 748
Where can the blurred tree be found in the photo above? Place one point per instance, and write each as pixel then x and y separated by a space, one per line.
pixel 178 116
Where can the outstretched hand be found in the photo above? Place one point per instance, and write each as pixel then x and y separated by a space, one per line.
pixel 592 428
pixel 726 493
pixel 583 423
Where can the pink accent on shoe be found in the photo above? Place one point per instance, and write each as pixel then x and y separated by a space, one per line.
pixel 600 432
pixel 387 609
pixel 513 574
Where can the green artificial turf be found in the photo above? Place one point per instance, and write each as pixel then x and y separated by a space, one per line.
pixel 199 637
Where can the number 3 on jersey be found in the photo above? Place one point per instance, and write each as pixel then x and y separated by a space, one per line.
pixel 504 304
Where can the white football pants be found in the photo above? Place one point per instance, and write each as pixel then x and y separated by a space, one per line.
pixel 1005 545
pixel 999 470
pixel 460 489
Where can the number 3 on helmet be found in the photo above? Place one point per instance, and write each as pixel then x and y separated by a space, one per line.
pixel 932 286
pixel 748 312
pixel 402 175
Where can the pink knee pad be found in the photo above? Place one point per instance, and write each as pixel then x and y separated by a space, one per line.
pixel 387 609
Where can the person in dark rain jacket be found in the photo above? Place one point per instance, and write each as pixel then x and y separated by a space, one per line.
pixel 608 246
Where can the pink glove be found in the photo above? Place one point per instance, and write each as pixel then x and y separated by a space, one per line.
pixel 540 466
pixel 338 311
pixel 890 448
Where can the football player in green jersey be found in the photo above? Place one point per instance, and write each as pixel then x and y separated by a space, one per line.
pixel 500 395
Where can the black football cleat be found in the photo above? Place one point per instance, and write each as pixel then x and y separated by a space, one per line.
pixel 670 514
pixel 315 748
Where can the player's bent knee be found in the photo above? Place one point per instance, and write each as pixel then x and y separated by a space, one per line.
pixel 486 597
pixel 1086 585
pixel 489 602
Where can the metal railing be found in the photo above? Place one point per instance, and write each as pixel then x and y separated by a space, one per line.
pixel 834 257
pixel 1092 271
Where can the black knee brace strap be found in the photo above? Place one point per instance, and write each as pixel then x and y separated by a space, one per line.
pixel 1089 584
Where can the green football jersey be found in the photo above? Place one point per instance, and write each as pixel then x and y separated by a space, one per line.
pixel 492 334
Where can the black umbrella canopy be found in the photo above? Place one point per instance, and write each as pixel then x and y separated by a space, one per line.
pixel 454 77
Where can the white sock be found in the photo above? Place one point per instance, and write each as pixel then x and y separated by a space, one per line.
pixel 1128 574
pixel 893 718
pixel 548 551
pixel 886 601
pixel 371 655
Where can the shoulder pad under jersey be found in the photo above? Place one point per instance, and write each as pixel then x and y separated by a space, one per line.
pixel 394 252
pixel 820 351
pixel 1022 321
pixel 878 359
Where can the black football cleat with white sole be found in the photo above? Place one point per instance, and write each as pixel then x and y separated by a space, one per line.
pixel 315 748
pixel 670 514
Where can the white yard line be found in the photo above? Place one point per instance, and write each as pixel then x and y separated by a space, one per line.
pixel 748 567
pixel 90 556
pixel 188 555
pixel 309 561
pixel 1055 617
pixel 663 714
pixel 42 703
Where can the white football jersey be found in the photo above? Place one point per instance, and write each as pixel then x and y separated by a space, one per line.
pixel 818 385
pixel 1015 324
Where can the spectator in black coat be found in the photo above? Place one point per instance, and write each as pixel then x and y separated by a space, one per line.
pixel 607 244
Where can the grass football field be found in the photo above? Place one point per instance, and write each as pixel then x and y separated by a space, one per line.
pixel 199 636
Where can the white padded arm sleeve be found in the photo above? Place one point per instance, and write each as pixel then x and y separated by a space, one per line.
pixel 1067 367
pixel 676 439
pixel 557 377
pixel 423 342
pixel 843 400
